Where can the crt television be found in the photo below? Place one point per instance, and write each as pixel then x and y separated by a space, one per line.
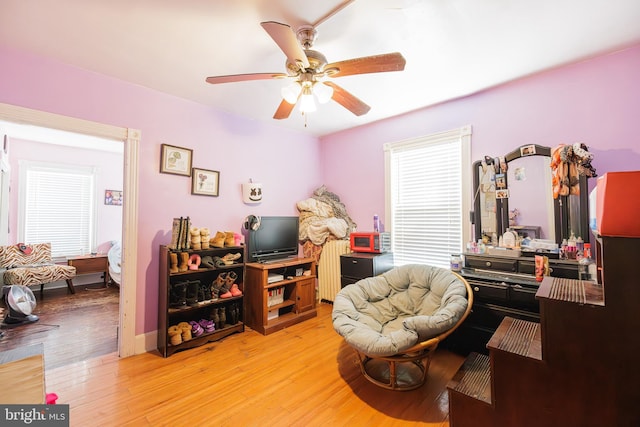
pixel 276 238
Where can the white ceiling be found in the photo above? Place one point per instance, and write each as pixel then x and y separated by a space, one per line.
pixel 453 47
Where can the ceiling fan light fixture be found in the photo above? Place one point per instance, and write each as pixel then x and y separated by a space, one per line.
pixel 307 104
pixel 291 92
pixel 323 92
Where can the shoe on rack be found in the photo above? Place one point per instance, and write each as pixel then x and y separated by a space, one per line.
pixel 235 290
pixel 208 325
pixel 194 262
pixel 175 335
pixel 183 259
pixel 205 292
pixel 173 262
pixel 230 258
pixel 224 292
pixel 217 241
pixel 178 294
pixel 222 314
pixel 207 261
pixel 193 288
pixel 229 238
pixel 185 329
pixel 196 329
pixel 233 314
pixel 231 278
pixel 215 318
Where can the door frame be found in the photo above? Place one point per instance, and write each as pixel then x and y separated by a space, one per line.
pixel 131 139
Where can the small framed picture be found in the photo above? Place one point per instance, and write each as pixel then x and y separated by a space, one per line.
pixel 205 182
pixel 527 150
pixel 113 197
pixel 501 181
pixel 175 160
pixel 502 194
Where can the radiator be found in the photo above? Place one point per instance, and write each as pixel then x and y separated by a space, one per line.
pixel 329 268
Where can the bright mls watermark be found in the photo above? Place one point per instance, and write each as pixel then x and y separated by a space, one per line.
pixel 34 415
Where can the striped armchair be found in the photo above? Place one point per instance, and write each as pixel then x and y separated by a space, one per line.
pixel 33 266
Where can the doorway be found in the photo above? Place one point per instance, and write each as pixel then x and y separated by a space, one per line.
pixel 130 138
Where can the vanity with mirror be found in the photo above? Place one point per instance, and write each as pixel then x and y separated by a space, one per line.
pixel 516 197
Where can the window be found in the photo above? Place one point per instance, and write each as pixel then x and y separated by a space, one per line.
pixel 427 184
pixel 57 204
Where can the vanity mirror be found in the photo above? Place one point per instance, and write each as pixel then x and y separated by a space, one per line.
pixel 516 191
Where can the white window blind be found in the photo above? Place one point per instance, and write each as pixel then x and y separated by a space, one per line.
pixel 58 206
pixel 427 187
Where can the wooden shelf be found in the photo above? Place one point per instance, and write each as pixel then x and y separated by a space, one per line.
pixel 172 316
pixel 299 302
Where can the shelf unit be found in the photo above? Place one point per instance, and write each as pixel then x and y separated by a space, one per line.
pixel 172 316
pixel 298 286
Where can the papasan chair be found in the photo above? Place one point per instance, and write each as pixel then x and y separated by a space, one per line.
pixel 395 321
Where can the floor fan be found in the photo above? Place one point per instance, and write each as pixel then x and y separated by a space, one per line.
pixel 20 303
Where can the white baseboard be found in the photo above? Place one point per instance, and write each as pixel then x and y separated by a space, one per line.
pixel 146 342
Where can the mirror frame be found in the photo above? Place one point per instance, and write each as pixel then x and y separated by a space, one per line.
pixel 560 205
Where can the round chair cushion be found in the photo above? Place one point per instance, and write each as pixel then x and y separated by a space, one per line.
pixel 387 314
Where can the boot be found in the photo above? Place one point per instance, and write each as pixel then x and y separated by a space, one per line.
pixel 215 318
pixel 231 278
pixel 204 237
pixel 223 317
pixel 193 287
pixel 215 291
pixel 177 294
pixel 205 292
pixel 184 262
pixel 173 262
pixel 175 233
pixel 217 241
pixel 229 238
pixel 233 314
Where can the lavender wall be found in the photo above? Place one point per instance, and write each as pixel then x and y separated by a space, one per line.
pixel 109 177
pixel 240 149
pixel 596 101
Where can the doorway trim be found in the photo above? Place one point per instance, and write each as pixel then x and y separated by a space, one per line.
pixel 131 140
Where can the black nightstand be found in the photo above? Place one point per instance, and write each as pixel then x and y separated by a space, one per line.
pixel 359 265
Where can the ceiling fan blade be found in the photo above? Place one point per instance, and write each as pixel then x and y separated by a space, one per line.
pixel 347 100
pixel 244 77
pixel 286 39
pixel 367 64
pixel 284 110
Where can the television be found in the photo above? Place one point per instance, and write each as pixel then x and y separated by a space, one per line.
pixel 276 238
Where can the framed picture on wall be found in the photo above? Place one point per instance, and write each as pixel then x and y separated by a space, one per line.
pixel 113 197
pixel 205 182
pixel 175 160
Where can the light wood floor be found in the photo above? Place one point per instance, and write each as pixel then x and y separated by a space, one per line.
pixel 301 376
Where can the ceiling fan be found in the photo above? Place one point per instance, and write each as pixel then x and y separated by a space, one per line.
pixel 309 70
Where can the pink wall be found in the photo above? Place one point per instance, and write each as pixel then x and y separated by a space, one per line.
pixel 109 218
pixel 596 101
pixel 240 149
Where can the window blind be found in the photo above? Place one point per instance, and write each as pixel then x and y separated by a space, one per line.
pixel 425 187
pixel 59 205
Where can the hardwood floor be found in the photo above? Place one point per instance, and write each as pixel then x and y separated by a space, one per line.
pixel 72 327
pixel 301 376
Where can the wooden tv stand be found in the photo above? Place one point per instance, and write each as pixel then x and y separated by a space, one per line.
pixel 298 291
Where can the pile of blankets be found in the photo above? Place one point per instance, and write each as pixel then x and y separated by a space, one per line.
pixel 323 217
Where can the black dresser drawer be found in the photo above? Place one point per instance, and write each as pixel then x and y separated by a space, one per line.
pixel 568 270
pixel 483 291
pixel 524 297
pixel 494 263
pixel 361 265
